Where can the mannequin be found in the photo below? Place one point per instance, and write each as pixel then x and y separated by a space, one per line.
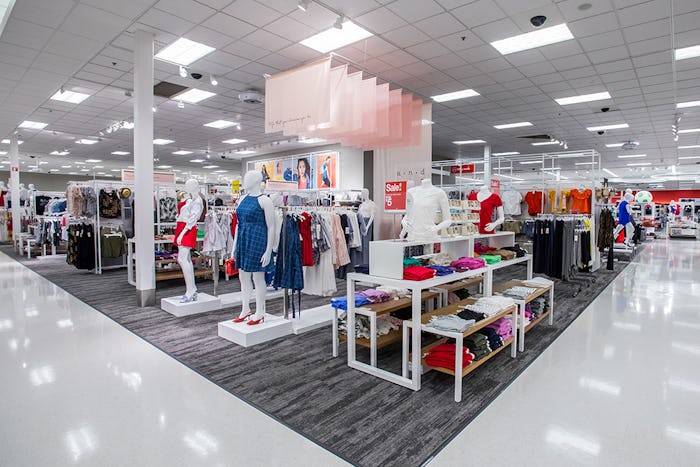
pixel 3 192
pixel 252 246
pixel 186 236
pixel 489 202
pixel 23 195
pixel 368 209
pixel 624 218
pixel 422 204
pixel 31 192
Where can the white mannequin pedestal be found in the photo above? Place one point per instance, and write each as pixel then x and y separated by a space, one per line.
pixel 244 335
pixel 204 303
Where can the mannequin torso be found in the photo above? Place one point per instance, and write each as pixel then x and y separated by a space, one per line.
pixel 422 204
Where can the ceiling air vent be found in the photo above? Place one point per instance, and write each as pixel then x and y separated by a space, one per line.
pixel 629 145
pixel 537 137
pixel 167 90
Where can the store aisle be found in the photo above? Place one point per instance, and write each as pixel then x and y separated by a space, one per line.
pixel 621 386
pixel 79 389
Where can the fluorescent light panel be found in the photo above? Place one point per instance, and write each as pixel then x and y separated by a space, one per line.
pixel 512 125
pixel 687 52
pixel 546 143
pixel 182 152
pixel 221 124
pixel 532 162
pixel 639 164
pixel 121 153
pixel 193 96
pixel 93 161
pixel 608 171
pixel 452 96
pixel 688 157
pixel 197 160
pixel 511 153
pixel 161 142
pixel 71 97
pixel 243 153
pixel 631 156
pixel 87 141
pixel 235 141
pixel 184 52
pixel 333 38
pixel 60 153
pixel 210 167
pixel 598 96
pixel 692 146
pixel 33 125
pixel 533 39
pixel 584 163
pixel 7 141
pixel 469 141
pixel 312 140
pixel 685 105
pixel 690 130
pixel 615 126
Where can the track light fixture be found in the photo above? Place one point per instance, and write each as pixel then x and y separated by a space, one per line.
pixel 303 5
pixel 212 80
pixel 339 22
pixel 183 71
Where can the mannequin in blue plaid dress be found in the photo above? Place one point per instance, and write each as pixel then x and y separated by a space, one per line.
pixel 255 235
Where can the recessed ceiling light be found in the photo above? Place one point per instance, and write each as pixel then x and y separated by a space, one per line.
pixel 532 162
pixel 688 157
pixel 221 124
pixel 687 52
pixel 598 96
pixel 469 141
pixel 84 170
pixel 235 141
pixel 79 163
pixel 531 40
pixel 115 170
pixel 451 96
pixel 616 126
pixel 184 52
pixel 193 96
pixel 210 167
pixel 70 96
pixel 164 166
pixel 182 152
pixel 690 130
pixel 87 141
pixel 631 156
pixel 220 171
pixel 312 140
pixel 619 145
pixel 60 153
pixel 692 146
pixel 93 161
pixel 610 172
pixel 128 125
pixel 121 153
pixel 161 142
pixel 246 152
pixel 197 160
pixel 684 105
pixel 546 143
pixel 512 125
pixel 511 153
pixel 3 153
pixel 584 163
pixel 639 164
pixel 7 141
pixel 33 125
pixel 334 38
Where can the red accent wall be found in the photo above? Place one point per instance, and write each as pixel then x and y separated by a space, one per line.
pixel 665 196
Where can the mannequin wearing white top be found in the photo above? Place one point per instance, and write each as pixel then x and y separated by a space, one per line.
pixel 189 214
pixel 484 193
pixel 23 195
pixel 367 209
pixel 252 185
pixel 422 204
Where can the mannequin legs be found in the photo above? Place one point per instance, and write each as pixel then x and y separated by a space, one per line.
pixel 185 262
pixel 629 232
pixel 247 280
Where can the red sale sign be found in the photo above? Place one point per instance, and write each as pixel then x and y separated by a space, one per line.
pixel 395 196
pixel 15 168
pixel 462 169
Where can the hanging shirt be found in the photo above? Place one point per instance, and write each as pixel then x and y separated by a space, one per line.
pixel 534 202
pixel 581 201
pixel 563 201
pixel 623 217
pixel 553 200
pixel 511 202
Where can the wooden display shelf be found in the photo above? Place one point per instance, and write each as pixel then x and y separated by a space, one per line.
pixel 462 284
pixel 468 369
pixel 382 341
pixel 177 274
pixel 499 288
pixel 540 318
pixel 174 260
pixel 396 305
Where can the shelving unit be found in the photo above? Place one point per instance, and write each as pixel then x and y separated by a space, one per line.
pixel 163 275
pixel 408 325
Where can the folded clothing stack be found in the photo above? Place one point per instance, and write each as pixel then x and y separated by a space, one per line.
pixel 481 249
pixel 469 314
pixel 466 263
pixel 491 259
pixel 442 270
pixel 518 292
pixel 504 254
pixel 443 356
pixel 538 282
pixel 375 295
pixel 418 273
pixel 450 323
pixel 395 292
pixel 495 340
pixel 503 327
pixel 341 303
pixel 440 259
pixel 385 324
pixel 538 306
pixel 478 345
pixel 164 255
pixel 411 262
pixel 490 305
pixel 517 249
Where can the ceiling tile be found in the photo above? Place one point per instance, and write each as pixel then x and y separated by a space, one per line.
pixel 267 40
pixel 440 25
pixel 405 36
pixel 594 25
pixel 478 13
pixel 252 12
pixel 228 25
pixel 413 11
pixel 87 21
pixel 166 22
pixel 186 9
pixel 25 34
pixel 290 29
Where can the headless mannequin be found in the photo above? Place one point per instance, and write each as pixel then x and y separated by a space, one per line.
pixel 31 190
pixel 483 194
pixel 252 184
pixel 23 195
pixel 422 203
pixel 3 191
pixel 367 209
pixel 625 221
pixel 184 258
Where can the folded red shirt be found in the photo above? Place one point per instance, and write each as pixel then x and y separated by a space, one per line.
pixel 418 273
pixel 443 356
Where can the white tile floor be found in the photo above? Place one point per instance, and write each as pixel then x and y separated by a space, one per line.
pixel 620 387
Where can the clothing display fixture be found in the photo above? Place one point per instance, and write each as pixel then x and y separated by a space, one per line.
pixel 581 201
pixel 561 243
pixel 490 204
pixel 511 202
pixel 534 202
pixel 422 205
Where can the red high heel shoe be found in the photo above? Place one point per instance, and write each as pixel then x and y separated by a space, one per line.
pixel 253 322
pixel 240 319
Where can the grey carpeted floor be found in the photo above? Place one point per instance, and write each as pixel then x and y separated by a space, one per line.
pixel 365 420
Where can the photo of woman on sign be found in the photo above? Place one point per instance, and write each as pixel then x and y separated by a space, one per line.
pixel 303 174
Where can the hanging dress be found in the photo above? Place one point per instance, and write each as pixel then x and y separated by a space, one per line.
pixel 252 235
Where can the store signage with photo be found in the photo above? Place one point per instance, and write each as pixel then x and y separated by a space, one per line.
pixel 309 171
pixel 395 196
pixel 462 169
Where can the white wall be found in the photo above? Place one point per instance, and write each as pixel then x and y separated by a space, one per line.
pixel 44 182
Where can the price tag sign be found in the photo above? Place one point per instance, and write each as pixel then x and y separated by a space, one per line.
pixel 395 196
pixel 462 169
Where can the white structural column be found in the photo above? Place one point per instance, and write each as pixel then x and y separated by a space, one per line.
pixel 14 180
pixel 143 168
pixel 487 165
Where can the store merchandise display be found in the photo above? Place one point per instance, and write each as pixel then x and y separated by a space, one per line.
pixel 490 204
pixel 422 204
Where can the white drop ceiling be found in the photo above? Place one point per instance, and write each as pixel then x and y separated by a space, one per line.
pixel 429 47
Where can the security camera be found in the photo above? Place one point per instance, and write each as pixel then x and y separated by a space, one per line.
pixel 32 157
pixel 601 132
pixel 196 75
pixel 605 109
pixel 538 20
